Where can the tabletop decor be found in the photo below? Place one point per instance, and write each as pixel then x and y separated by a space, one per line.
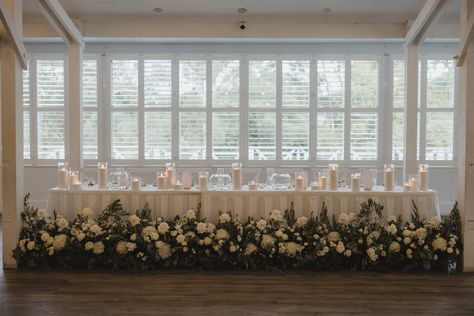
pixel 63 171
pixel 237 176
pixel 118 239
pixel 102 174
pixel 388 177
pixel 203 180
pixel 423 177
pixel 332 177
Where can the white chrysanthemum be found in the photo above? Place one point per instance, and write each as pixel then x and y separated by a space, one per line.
pixel 59 242
pixel 89 245
pixel 148 231
pixel 394 247
pixel 180 238
pixel 191 214
pixel 86 212
pixel 301 221
pixel 121 247
pixel 340 247
pixel 372 253
pixel 343 218
pixel 391 229
pixel 435 221
pixel 95 229
pixel 211 228
pixel 250 249
pixel 334 236
pixel 207 241
pixel 440 244
pixel 224 217
pixel 134 220
pixel 98 248
pixel 276 215
pixel 261 224
pixel 163 227
pixel 61 223
pixel 267 241
pixel 30 245
pixel 201 228
pixel 222 234
pixel 42 213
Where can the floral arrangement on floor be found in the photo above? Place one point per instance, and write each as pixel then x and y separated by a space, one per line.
pixel 116 240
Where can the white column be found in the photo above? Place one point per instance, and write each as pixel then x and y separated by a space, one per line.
pixel 12 141
pixel 466 139
pixel 411 110
pixel 74 110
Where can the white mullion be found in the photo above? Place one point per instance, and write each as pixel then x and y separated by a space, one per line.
pixel 313 68
pixel 209 145
pixel 175 108
pixel 33 111
pixel 278 110
pixel 244 110
pixel 347 110
pixel 422 109
pixel 141 110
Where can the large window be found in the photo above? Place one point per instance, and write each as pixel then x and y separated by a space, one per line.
pixel 297 110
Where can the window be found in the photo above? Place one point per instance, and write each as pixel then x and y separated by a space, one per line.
pixel 90 105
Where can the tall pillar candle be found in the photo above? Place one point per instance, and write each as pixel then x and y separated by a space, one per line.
pixel 423 177
pixel 102 175
pixel 299 183
pixel 203 181
pixel 388 177
pixel 62 175
pixel 236 176
pixel 161 181
pixel 323 183
pixel 170 177
pixel 332 175
pixel 355 183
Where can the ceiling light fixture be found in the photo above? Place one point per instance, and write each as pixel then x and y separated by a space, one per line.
pixel 157 10
pixel 242 10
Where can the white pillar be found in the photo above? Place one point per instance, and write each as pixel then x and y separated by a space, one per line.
pixel 411 110
pixel 466 141
pixel 12 141
pixel 74 109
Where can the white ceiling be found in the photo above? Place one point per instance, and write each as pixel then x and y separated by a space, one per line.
pixel 350 11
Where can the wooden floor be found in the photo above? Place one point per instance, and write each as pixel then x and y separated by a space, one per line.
pixel 234 293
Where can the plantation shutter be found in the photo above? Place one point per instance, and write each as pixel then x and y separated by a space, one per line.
pixel 89 104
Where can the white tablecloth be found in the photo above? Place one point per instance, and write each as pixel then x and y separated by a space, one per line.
pixel 244 203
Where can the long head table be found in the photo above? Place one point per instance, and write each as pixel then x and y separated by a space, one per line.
pixel 244 203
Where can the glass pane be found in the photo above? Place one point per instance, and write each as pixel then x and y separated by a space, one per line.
pixel 89 135
pixel 157 83
pixel 192 83
pixel 295 83
pixel 124 135
pixel 225 83
pixel 124 83
pixel 50 135
pixel 89 83
pixel 157 135
pixel 331 83
pixel 364 83
pixel 50 83
pixel 330 136
pixel 440 84
pixel 363 136
pixel 439 136
pixel 398 83
pixel 192 135
pixel 295 136
pixel 262 83
pixel 26 88
pixel 262 143
pixel 397 135
pixel 225 136
pixel 26 135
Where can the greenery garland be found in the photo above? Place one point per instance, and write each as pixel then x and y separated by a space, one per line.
pixel 115 240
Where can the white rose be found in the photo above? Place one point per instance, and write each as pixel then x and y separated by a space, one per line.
pixel 279 233
pixel 191 214
pixel 95 229
pixel 154 236
pixel 207 241
pixel 180 238
pixel 340 247
pixel 222 234
pixel 44 236
pixel 59 242
pixel 163 227
pixel 435 221
pixel 21 244
pixel 51 251
pixel 391 229
pixel 261 224
pixel 394 247
pixel 224 217
pixel 348 253
pixel 85 227
pixel 406 240
pixel 121 247
pixel 409 253
pixel 30 245
pixel 285 237
pixel 343 218
pixel 334 236
pixel 86 212
pixel 450 250
pixel 211 227
pixel 98 248
pixel 301 221
pixel 201 228
pixel 371 252
pixel 375 234
pixel 61 223
pixel 352 217
pixel 134 220
pixel 276 215
pixel 89 245
pixel 42 213
pixel 80 236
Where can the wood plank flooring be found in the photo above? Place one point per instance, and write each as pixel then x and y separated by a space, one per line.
pixel 234 293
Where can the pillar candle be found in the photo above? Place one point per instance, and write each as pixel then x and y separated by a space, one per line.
pixel 73 178
pixel 388 179
pixel 135 185
pixel 299 183
pixel 323 182
pixel 355 183
pixel 407 187
pixel 177 186
pixel 161 182
pixel 333 179
pixel 186 177
pixel 202 183
pixel 236 179
pixel 102 177
pixel 62 178
pixel 413 184
pixel 315 186
pixel 423 177
pixel 170 177
pixel 252 186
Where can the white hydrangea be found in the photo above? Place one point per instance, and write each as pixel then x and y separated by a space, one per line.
pixel 62 223
pixel 59 242
pixel 250 249
pixel 148 231
pixel 121 247
pixel 421 233
pixel 164 249
pixel 222 234
pixel 440 244
pixel 163 227
pixel 30 245
pixel 394 247
pixel 224 217
pixel 98 248
pixel 201 228
pixel 301 221
pixel 261 224
pixel 134 220
pixel 87 212
pixel 89 245
pixel 42 213
pixel 276 215
pixel 267 241
pixel 334 236
pixel 391 229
